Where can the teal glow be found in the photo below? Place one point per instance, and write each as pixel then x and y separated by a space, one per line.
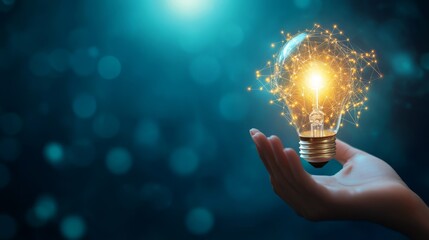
pixel 205 70
pixel 199 221
pixel 233 107
pixel 84 106
pixel 53 152
pixel 118 160
pixel 45 208
pixel 73 227
pixel 184 161
pixel 109 67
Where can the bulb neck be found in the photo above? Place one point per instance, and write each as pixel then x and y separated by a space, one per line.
pixel 317 150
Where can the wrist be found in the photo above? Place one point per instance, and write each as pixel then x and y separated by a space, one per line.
pixel 422 222
pixel 418 216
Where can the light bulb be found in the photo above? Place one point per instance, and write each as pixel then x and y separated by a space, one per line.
pixel 320 80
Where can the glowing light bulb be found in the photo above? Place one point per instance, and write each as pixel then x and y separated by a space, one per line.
pixel 321 81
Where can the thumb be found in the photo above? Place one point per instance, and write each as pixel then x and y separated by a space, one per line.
pixel 344 151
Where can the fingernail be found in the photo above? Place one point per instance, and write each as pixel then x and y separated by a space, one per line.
pixel 253 131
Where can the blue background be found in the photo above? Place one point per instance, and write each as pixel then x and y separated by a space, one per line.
pixel 129 119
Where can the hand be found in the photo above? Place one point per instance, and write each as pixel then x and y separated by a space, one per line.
pixel 366 188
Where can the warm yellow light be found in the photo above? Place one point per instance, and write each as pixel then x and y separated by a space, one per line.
pixel 316 80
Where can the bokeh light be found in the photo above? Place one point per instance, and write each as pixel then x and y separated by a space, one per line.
pixel 147 133
pixel 73 227
pixel 183 161
pixel 118 160
pixel 84 105
pixel 109 67
pixel 45 208
pixel 130 119
pixel 54 153
pixel 199 221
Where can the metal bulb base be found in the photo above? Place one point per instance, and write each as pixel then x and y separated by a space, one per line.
pixel 317 150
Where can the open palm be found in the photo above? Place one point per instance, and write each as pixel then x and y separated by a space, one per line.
pixel 366 188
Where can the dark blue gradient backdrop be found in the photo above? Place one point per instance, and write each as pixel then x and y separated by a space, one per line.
pixel 129 119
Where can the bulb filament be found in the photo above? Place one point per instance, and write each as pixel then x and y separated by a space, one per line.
pixel 316 118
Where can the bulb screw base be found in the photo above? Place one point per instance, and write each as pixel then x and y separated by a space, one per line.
pixel 317 150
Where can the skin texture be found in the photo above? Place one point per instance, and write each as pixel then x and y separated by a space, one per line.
pixel 366 188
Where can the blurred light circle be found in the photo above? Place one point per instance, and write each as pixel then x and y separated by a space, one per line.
pixel 232 35
pixel 84 105
pixel 109 67
pixel 233 107
pixel 147 133
pixel 53 153
pixel 302 4
pixel 7 227
pixel 8 2
pixel 199 221
pixel 403 64
pixel 73 227
pixel 93 52
pixel 106 125
pixel 118 160
pixel 82 63
pixel 183 161
pixel 39 64
pixel 4 176
pixel 81 153
pixel 59 59
pixel 157 195
pixel 424 61
pixel 9 149
pixel 205 70
pixel 45 208
pixel 11 123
